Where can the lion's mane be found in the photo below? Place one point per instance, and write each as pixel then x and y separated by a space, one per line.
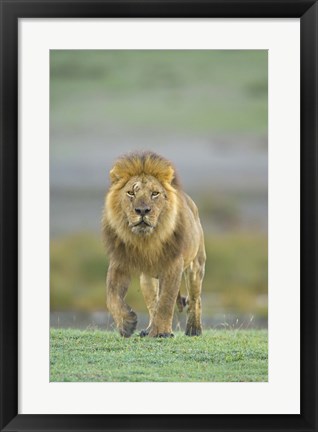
pixel 168 239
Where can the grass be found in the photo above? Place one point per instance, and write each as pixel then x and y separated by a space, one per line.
pixel 217 356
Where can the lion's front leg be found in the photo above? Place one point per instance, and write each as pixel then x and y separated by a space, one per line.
pixel 169 285
pixel 117 283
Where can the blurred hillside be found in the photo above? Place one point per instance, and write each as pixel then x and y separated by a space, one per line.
pixel 204 110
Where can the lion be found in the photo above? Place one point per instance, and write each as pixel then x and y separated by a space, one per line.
pixel 151 228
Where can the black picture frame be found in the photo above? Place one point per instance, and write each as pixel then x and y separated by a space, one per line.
pixel 11 12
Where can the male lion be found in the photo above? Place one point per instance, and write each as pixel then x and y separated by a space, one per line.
pixel 152 228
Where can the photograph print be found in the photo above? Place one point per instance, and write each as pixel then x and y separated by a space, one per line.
pixel 158 215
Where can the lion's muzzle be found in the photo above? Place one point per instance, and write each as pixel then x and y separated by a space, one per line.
pixel 142 210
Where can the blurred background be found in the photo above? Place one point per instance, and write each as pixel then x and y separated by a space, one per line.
pixel 206 111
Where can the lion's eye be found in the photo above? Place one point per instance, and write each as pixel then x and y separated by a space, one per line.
pixel 155 194
pixel 130 193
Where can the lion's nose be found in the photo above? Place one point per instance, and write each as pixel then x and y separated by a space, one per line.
pixel 142 211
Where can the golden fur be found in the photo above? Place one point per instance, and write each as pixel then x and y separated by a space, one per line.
pixel 150 226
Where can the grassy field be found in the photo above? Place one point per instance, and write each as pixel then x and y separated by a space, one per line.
pixel 217 356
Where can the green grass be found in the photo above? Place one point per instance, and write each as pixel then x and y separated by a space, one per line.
pixel 217 356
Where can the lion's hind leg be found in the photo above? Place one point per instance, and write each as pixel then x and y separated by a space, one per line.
pixel 181 302
pixel 150 290
pixel 194 276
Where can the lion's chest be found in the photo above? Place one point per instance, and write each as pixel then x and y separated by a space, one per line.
pixel 144 258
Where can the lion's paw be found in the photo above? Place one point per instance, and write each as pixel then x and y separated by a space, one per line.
pixel 193 331
pixel 165 335
pixel 129 325
pixel 144 333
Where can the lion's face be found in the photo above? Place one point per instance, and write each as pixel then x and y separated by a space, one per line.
pixel 143 200
pixel 142 203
